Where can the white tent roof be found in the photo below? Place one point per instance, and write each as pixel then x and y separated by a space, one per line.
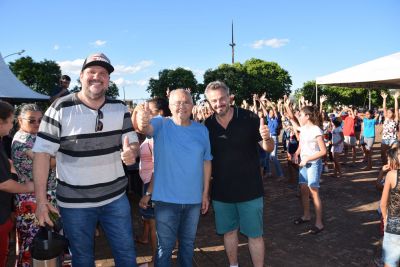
pixel 383 72
pixel 13 90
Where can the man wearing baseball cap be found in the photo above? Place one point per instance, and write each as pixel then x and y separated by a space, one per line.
pixel 91 137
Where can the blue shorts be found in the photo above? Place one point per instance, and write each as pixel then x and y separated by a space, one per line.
pixel 311 173
pixel 247 216
pixel 391 249
pixel 389 142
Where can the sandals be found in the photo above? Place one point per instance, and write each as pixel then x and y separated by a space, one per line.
pixel 315 230
pixel 300 220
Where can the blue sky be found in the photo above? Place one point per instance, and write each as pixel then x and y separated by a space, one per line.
pixel 307 38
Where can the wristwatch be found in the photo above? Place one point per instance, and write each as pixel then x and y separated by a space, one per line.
pixel 148 194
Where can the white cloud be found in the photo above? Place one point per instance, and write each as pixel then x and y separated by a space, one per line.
pixel 142 83
pixel 274 43
pixel 56 47
pixel 122 82
pixel 98 43
pixel 122 69
pixel 71 66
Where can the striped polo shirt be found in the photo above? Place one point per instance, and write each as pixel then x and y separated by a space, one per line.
pixel 89 168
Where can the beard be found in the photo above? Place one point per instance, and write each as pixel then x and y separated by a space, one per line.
pixel 222 111
pixel 98 94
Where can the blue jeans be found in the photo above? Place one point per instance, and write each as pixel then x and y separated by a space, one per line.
pixel 176 221
pixel 115 220
pixel 274 158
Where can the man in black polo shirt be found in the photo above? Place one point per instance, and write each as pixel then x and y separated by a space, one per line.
pixel 237 187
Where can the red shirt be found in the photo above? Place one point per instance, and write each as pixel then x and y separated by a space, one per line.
pixel 348 126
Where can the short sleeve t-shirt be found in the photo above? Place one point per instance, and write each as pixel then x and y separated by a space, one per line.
pixel 369 127
pixel 308 141
pixel 146 165
pixel 179 155
pixel 235 165
pixel 274 124
pixel 348 126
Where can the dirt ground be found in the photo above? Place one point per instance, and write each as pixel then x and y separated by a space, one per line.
pixel 351 236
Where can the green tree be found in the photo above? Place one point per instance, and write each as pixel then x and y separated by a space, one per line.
pixel 40 76
pixel 341 95
pixel 253 76
pixel 267 77
pixel 173 79
pixel 232 75
pixel 112 90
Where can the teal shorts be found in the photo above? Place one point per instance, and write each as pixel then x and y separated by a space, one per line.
pixel 246 216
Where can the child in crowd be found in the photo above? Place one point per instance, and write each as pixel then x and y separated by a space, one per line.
pixel 337 146
pixel 311 149
pixel 368 132
pixel 390 125
pixel 390 208
pixel 292 145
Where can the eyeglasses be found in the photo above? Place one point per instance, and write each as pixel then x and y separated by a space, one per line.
pixel 99 123
pixel 32 121
pixel 184 104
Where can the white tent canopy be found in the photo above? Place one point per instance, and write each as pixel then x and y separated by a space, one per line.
pixel 383 72
pixel 13 90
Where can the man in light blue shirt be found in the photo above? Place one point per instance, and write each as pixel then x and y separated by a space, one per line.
pixel 182 171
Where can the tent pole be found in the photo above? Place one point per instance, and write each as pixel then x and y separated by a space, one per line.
pixel 369 99
pixel 316 94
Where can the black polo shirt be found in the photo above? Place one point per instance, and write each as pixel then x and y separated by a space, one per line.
pixel 5 198
pixel 235 165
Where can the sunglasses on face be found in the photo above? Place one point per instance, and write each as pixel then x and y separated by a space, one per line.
pixel 32 121
pixel 99 123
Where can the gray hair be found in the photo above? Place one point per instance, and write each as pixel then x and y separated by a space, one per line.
pixel 181 90
pixel 216 85
pixel 25 108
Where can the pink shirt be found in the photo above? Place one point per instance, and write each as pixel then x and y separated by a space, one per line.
pixel 146 165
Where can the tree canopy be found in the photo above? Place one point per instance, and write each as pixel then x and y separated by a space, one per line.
pixel 173 79
pixel 341 95
pixel 40 76
pixel 253 76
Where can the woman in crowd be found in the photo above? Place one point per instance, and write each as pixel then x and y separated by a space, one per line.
pixel 390 124
pixel 22 156
pixel 8 184
pixel 390 208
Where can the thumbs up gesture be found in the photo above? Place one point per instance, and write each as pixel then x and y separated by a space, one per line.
pixel 128 155
pixel 143 118
pixel 264 130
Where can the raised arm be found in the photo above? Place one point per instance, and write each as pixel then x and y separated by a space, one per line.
pixel 384 96
pixel 322 99
pixel 396 106
pixel 291 116
pixel 263 105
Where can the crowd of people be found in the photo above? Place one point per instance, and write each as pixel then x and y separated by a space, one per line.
pixel 71 161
